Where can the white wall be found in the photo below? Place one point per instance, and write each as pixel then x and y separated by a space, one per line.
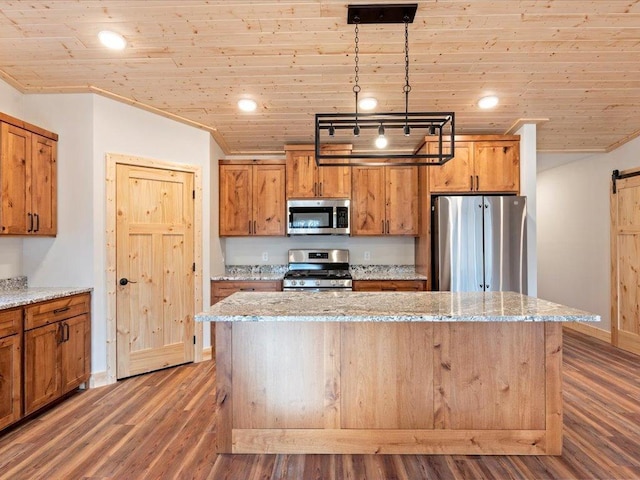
pixel 89 127
pixel 574 226
pixel 120 128
pixel 11 103
pixel 528 165
pixel 383 250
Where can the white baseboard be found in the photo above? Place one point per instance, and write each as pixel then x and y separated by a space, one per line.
pixel 98 379
pixel 590 330
pixel 206 354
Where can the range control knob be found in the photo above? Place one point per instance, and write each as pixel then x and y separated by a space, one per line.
pixel 318 283
pixel 293 282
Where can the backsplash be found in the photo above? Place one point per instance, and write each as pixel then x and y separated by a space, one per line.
pixel 15 283
pixel 240 270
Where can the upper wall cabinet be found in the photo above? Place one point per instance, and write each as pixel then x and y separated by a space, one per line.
pixel 28 156
pixel 385 201
pixel 306 180
pixel 482 163
pixel 252 198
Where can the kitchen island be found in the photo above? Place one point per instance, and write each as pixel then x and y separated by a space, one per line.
pixel 392 372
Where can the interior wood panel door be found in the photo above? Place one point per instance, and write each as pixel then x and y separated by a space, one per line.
pixel 155 254
pixel 497 166
pixel 625 268
pixel 301 175
pixel 235 197
pixel 457 174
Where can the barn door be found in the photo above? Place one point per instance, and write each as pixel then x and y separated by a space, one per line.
pixel 625 259
pixel 154 262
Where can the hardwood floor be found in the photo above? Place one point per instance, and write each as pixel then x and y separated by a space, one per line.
pixel 159 426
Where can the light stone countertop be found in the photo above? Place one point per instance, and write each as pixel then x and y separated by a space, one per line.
pixel 26 296
pixel 241 273
pixel 390 307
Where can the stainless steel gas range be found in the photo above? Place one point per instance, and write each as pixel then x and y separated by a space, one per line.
pixel 318 270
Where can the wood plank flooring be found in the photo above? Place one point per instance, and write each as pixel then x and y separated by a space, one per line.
pixel 159 426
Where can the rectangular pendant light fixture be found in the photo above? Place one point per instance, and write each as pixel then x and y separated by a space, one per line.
pixel 385 138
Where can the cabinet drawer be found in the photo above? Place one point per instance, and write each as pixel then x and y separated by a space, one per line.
pixel 222 289
pixel 56 310
pixel 10 322
pixel 389 285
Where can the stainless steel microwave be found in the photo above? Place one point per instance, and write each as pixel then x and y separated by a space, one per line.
pixel 317 216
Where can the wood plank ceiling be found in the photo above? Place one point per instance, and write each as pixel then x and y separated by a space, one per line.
pixel 575 63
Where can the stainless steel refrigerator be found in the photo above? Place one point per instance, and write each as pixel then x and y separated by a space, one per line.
pixel 479 243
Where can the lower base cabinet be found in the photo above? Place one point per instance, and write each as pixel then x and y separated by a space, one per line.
pixel 57 344
pixel 10 376
pixel 45 353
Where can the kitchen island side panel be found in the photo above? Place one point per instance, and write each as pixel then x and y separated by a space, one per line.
pixel 469 388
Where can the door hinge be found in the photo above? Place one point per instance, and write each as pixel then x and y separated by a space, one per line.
pixel 194 194
pixel 194 266
pixel 194 339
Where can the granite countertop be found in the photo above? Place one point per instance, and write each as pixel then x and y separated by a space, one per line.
pixel 241 273
pixel 391 307
pixel 15 293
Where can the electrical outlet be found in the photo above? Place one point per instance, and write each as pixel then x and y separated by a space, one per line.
pixel 367 255
pixel 265 256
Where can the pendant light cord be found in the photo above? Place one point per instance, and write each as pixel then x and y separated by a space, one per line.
pixel 407 87
pixel 356 87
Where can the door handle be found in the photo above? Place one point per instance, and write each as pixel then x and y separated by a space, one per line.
pixel 315 189
pixel 477 183
pixel 320 189
pixel 37 217
pixel 65 330
pixel 249 227
pixel 471 178
pixel 383 227
pixel 30 222
pixel 254 227
pixel 387 227
pixel 60 310
pixel 60 334
pixel 124 281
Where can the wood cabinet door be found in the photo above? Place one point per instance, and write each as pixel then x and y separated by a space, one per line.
pixel 235 200
pixel 42 373
pixel 497 166
pixel 75 352
pixel 15 197
pixel 368 201
pixel 402 200
pixel 334 182
pixel 268 200
pixel 10 375
pixel 301 175
pixel 457 174
pixel 41 182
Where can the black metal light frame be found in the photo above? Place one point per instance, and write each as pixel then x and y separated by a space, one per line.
pixel 440 126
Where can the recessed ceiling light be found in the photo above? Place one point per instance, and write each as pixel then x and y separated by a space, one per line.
pixel 112 40
pixel 247 105
pixel 488 102
pixel 368 103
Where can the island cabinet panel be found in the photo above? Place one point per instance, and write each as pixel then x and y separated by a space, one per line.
pixel 387 376
pixel 10 368
pixel 280 376
pixel 462 388
pixel 490 378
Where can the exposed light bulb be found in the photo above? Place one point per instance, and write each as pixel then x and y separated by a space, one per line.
pixel 356 131
pixel 381 141
pixel 112 40
pixel 332 130
pixel 406 130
